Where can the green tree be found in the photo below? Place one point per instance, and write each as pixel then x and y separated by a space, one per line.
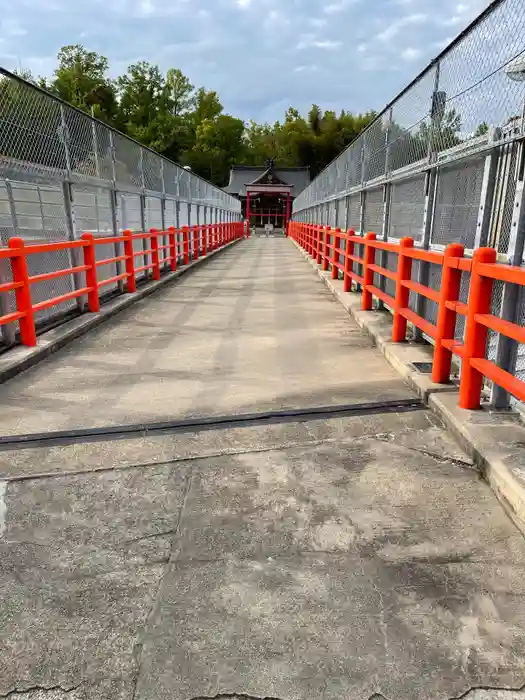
pixel 482 129
pixel 219 143
pixel 180 91
pixel 146 110
pixel 81 79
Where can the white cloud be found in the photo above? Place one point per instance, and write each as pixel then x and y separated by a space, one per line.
pixel 410 53
pixel 260 55
pixel 395 27
pixel 317 22
pixel 10 27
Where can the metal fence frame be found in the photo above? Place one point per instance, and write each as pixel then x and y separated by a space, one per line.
pixel 409 174
pixel 63 173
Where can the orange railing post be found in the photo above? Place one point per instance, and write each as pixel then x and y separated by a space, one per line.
pixel 186 244
pixel 368 274
pixel 326 234
pixel 446 320
pixel 172 237
pixel 349 250
pixel 196 242
pixel 479 302
pixel 90 262
pixel 154 238
pixel 335 254
pixel 319 245
pixel 131 282
pixel 404 272
pixel 205 239
pixel 23 293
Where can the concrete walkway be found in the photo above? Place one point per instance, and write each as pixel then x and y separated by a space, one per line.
pixel 350 557
pixel 253 330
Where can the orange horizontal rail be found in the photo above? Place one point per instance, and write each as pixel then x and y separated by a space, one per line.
pixel 511 330
pixel 386 298
pixel 383 271
pixel 429 256
pixel 454 346
pixel 423 324
pixel 137 254
pixel 108 239
pixel 458 306
pixel 383 245
pixel 10 286
pixel 45 276
pixel 111 280
pixel 504 273
pixel 61 299
pixel 35 248
pixel 144 267
pixel 321 241
pixel 500 377
pixel 108 261
pixel 418 288
pixel 11 318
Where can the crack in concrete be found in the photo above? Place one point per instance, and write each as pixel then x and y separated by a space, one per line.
pixel 374 696
pixel 489 689
pixel 139 646
pixel 428 453
pixel 41 688
pixel 234 696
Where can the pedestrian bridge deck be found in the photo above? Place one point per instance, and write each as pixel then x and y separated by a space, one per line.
pixel 252 330
pixel 341 557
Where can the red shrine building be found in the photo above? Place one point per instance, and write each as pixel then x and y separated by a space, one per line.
pixel 267 193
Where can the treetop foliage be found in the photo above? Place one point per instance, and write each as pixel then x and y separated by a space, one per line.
pixel 188 124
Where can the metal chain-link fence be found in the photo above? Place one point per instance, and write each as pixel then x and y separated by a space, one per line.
pixel 444 162
pixel 63 173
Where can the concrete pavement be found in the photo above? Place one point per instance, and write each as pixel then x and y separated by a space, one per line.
pixel 355 557
pixel 252 330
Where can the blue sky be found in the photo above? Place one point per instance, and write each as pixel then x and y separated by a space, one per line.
pixel 260 55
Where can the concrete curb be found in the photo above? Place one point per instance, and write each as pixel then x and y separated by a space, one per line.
pixel 495 440
pixel 20 357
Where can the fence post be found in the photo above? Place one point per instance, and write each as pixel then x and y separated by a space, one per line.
pixel 186 245
pixel 335 254
pixel 23 293
pixel 479 302
pixel 154 238
pixel 205 239
pixel 91 272
pixel 368 275
pixel 404 272
pixel 326 234
pixel 131 282
pixel 446 320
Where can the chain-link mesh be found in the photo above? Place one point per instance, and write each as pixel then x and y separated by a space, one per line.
pixel 449 148
pixel 457 203
pixel 373 214
pixel 63 173
pixel 354 212
pixel 407 207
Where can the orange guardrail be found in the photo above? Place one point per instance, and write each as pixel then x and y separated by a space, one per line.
pixel 205 238
pixel 324 245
